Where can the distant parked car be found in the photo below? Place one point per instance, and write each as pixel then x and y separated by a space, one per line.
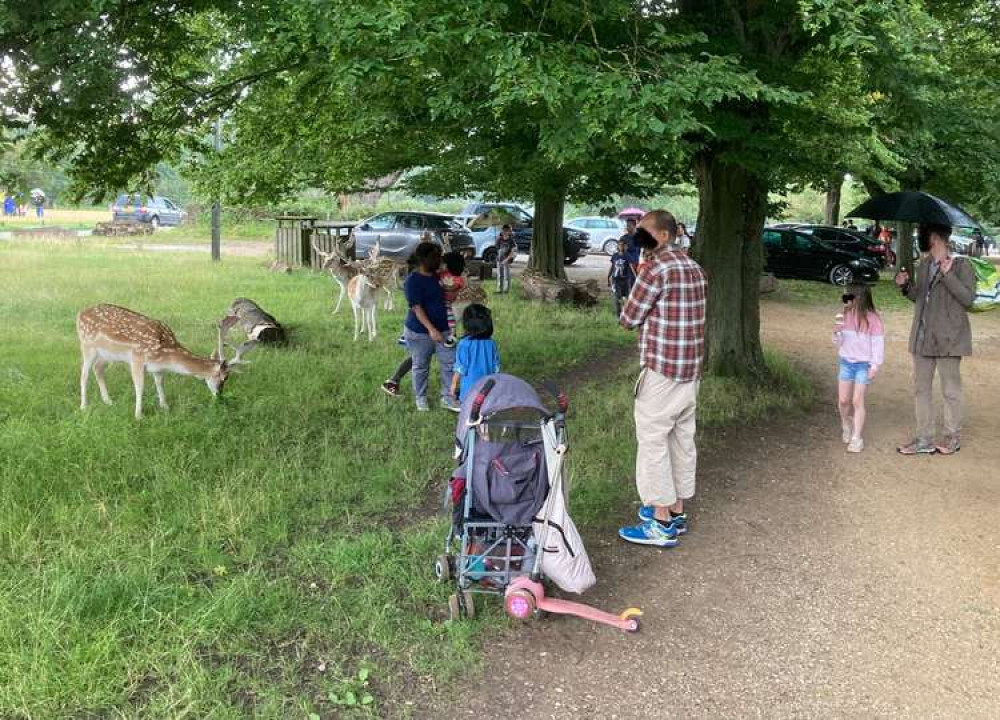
pixel 604 232
pixel 790 253
pixel 399 233
pixel 152 209
pixel 576 243
pixel 850 240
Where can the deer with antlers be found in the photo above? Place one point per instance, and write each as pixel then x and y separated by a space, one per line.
pixel 341 269
pixel 109 333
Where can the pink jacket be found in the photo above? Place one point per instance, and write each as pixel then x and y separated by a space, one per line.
pixel 861 344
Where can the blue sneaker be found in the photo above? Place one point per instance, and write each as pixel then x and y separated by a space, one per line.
pixel 649 533
pixel 679 523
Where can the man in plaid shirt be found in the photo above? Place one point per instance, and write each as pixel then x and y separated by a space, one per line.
pixel 667 304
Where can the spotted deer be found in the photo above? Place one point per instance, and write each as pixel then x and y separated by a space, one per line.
pixel 361 291
pixel 109 333
pixel 384 272
pixel 341 269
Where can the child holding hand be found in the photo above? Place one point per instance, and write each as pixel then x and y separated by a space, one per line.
pixel 476 355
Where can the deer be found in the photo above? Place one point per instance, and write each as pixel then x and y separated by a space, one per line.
pixel 110 333
pixel 384 272
pixel 361 291
pixel 341 269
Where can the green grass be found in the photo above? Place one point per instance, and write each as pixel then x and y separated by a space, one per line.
pixel 267 553
pixel 809 292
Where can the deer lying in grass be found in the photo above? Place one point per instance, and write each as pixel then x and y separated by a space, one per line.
pixel 361 291
pixel 109 333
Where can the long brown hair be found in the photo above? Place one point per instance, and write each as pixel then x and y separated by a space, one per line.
pixel 863 304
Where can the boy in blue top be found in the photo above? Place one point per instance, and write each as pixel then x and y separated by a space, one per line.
pixel 426 327
pixel 621 276
pixel 477 355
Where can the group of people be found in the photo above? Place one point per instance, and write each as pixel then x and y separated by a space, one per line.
pixel 667 305
pixel 626 263
pixel 666 302
pixel 13 207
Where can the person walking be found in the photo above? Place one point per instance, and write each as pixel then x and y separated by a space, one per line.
pixel 426 326
pixel 667 304
pixel 943 290
pixel 683 241
pixel 633 251
pixel 621 276
pixel 506 252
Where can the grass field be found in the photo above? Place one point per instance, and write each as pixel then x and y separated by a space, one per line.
pixel 268 554
pixel 70 219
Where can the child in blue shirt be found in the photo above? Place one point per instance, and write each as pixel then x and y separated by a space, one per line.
pixel 476 355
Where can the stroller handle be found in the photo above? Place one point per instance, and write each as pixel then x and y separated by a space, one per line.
pixel 477 404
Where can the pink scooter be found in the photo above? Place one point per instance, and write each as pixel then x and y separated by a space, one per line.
pixel 526 595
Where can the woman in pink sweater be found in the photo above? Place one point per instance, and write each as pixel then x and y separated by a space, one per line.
pixel 860 337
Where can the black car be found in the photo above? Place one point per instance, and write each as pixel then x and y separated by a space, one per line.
pixel 576 243
pixel 851 240
pixel 790 253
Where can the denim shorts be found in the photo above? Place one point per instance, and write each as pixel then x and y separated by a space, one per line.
pixel 855 372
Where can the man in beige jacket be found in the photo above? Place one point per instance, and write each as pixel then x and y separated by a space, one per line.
pixel 940 337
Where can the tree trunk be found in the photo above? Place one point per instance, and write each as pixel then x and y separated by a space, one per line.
pixel 831 213
pixel 256 323
pixel 904 239
pixel 547 253
pixel 732 206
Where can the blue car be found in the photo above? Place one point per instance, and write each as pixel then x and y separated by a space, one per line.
pixel 151 209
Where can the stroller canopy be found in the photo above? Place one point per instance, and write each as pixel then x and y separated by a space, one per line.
pixel 508 393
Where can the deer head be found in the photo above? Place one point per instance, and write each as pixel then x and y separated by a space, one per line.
pixel 223 367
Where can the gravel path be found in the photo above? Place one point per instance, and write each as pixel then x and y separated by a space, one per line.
pixel 813 584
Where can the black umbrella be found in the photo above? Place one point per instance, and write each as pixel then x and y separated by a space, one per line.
pixel 913 206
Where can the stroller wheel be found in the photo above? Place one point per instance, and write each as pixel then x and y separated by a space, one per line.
pixel 465 600
pixel 519 604
pixel 442 568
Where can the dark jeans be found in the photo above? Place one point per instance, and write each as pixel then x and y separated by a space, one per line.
pixel 422 349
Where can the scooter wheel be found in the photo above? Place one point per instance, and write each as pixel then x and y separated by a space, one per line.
pixel 519 604
pixel 465 600
pixel 442 569
pixel 634 625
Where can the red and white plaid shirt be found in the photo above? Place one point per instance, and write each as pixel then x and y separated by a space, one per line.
pixel 668 302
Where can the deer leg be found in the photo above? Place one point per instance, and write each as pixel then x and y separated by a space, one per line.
pixel 373 331
pixel 340 297
pixel 388 298
pixel 99 367
pixel 158 381
pixel 138 380
pixel 356 320
pixel 88 361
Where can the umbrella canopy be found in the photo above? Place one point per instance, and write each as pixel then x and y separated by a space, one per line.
pixel 37 192
pixel 632 212
pixel 913 206
pixel 494 217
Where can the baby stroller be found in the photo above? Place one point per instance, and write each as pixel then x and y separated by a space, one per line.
pixel 508 499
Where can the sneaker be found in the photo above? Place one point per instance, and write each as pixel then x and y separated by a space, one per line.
pixel 856 445
pixel 846 433
pixel 649 533
pixel 951 445
pixel 917 447
pixel 422 405
pixel 678 523
pixel 390 388
pixel 448 403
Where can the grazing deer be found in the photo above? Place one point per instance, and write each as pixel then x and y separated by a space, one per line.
pixel 109 333
pixel 341 269
pixel 361 291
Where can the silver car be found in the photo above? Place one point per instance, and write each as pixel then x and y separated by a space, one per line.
pixel 398 233
pixel 604 232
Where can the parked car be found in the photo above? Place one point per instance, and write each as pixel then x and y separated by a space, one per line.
pixel 851 240
pixel 399 233
pixel 604 232
pixel 152 209
pixel 576 243
pixel 790 253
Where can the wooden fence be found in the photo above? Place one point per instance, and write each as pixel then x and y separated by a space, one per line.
pixel 295 235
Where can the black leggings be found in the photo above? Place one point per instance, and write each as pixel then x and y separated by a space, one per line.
pixel 403 369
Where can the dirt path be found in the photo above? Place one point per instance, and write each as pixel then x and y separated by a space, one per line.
pixel 812 583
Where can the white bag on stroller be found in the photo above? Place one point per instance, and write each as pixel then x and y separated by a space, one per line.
pixel 564 558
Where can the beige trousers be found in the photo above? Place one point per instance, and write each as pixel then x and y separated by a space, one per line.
pixel 948 370
pixel 664 428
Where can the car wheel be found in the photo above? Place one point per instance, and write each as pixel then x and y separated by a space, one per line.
pixel 610 246
pixel 155 222
pixel 490 256
pixel 841 275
